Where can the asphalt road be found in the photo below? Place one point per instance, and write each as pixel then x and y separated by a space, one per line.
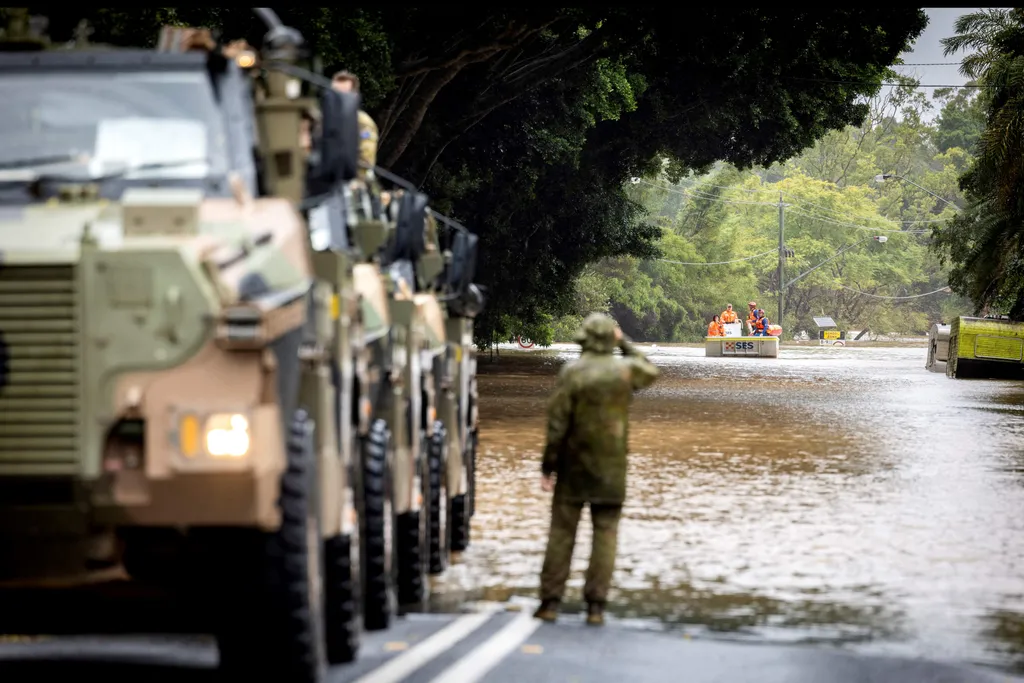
pixel 494 645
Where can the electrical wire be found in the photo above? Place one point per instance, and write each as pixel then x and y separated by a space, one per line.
pixel 806 203
pixel 854 225
pixel 896 298
pixel 697 195
pixel 886 83
pixel 718 263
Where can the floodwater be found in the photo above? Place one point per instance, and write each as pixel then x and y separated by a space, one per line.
pixel 839 495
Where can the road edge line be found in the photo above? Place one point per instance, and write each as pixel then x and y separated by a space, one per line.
pixel 411 660
pixel 476 663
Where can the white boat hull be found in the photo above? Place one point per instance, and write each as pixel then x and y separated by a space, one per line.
pixel 751 347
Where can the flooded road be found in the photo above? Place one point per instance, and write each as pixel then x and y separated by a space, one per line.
pixel 839 495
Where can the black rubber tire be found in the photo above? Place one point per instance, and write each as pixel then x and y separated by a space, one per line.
pixel 436 507
pixel 273 625
pixel 471 474
pixel 458 539
pixel 378 588
pixel 410 559
pixel 342 617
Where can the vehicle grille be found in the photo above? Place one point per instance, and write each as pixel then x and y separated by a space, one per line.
pixel 39 370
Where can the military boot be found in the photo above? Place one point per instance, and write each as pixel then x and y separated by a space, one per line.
pixel 595 614
pixel 548 610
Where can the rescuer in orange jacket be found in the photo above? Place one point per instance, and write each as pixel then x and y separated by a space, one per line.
pixel 760 324
pixel 715 328
pixel 729 315
pixel 751 316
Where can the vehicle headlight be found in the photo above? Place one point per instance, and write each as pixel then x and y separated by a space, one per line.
pixel 227 435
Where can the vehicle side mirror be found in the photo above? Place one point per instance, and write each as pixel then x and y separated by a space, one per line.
pixel 339 141
pixel 463 263
pixel 411 226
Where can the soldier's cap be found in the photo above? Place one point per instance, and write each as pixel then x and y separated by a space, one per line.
pixel 596 327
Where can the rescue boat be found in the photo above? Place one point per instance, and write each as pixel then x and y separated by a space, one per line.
pixel 734 343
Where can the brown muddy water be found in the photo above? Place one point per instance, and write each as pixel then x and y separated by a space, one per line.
pixel 841 495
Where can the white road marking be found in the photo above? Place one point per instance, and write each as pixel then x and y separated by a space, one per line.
pixel 412 659
pixel 475 664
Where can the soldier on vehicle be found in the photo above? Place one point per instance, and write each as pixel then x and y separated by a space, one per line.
pixel 346 81
pixel 587 439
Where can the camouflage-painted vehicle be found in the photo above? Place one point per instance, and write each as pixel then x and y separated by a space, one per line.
pixel 426 381
pixel 400 330
pixel 458 406
pixel 414 262
pixel 170 401
pixel 353 223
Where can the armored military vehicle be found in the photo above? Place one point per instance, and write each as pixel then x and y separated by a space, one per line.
pixel 401 278
pixel 464 300
pixel 173 405
pixel 401 331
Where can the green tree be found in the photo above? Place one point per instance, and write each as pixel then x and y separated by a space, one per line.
pixel 961 120
pixel 983 243
pixel 525 122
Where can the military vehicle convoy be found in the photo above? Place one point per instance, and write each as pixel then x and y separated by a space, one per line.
pixel 188 381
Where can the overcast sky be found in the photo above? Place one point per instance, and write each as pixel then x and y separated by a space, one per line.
pixel 939 69
pixel 928 49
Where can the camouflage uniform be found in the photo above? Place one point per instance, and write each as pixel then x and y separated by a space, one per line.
pixel 368 135
pixel 587 440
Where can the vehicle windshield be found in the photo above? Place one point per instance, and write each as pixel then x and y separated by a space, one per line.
pixel 92 124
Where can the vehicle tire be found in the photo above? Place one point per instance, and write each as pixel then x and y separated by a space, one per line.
pixel 341 597
pixel 411 580
pixel 436 507
pixel 273 625
pixel 471 478
pixel 376 529
pixel 458 538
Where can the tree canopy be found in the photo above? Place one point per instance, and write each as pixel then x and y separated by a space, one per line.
pixel 526 123
pixel 719 231
pixel 983 244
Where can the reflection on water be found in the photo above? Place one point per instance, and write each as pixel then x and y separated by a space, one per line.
pixel 840 494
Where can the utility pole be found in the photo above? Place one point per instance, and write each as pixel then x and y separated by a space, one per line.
pixel 782 255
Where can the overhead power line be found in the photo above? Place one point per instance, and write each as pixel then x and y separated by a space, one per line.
pixel 896 298
pixel 855 225
pixel 888 83
pixel 699 194
pixel 718 263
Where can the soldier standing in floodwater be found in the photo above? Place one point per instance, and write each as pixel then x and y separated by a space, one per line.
pixel 587 440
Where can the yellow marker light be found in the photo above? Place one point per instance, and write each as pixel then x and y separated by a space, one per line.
pixel 188 436
pixel 227 436
pixel 335 307
pixel 246 60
